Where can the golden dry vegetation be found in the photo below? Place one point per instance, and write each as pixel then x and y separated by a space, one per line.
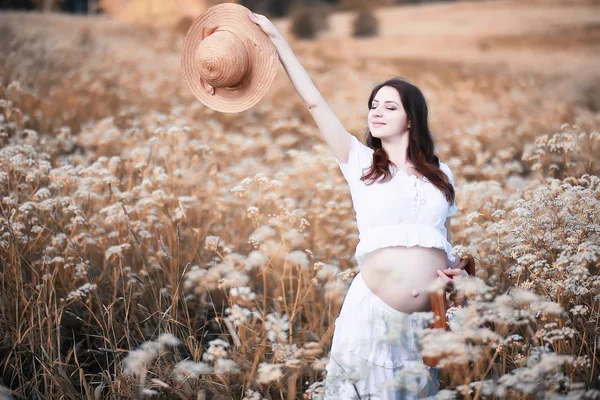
pixel 153 248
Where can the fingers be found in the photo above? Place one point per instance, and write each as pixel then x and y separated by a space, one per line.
pixel 255 17
pixel 447 281
pixel 453 272
pixel 258 19
pixel 443 277
pixel 449 276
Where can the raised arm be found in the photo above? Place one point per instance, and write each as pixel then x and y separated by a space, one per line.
pixel 332 130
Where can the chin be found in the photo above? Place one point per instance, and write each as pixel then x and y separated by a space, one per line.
pixel 378 135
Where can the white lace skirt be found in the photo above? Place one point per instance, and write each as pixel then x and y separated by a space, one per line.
pixel 375 351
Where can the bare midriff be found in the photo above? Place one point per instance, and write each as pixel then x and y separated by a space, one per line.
pixel 400 276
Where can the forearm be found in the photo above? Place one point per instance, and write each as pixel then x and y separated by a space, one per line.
pixel 300 79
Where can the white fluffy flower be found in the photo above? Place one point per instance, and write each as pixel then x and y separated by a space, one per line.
pixel 216 349
pixel 252 395
pixel 116 250
pixel 243 292
pixel 277 327
pixel 226 366
pixel 237 314
pixel 137 360
pixel 81 291
pixel 580 310
pixel 269 372
pixel 298 258
pixel 190 369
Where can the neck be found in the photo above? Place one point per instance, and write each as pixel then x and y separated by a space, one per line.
pixel 397 149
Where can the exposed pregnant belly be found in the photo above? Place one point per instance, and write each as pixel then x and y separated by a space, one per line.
pixel 393 273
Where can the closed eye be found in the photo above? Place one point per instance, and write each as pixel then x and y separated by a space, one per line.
pixel 389 108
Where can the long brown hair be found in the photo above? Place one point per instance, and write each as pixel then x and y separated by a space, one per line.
pixel 421 149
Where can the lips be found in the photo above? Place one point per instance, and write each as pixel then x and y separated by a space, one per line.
pixel 378 123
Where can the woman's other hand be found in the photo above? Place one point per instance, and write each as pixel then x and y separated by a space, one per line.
pixel 266 25
pixel 449 276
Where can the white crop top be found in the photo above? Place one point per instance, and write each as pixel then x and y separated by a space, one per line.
pixel 405 211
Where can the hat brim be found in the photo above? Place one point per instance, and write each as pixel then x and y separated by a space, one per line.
pixel 262 57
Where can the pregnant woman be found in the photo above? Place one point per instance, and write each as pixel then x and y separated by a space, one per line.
pixel 403 197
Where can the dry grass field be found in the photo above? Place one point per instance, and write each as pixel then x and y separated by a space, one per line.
pixel 153 248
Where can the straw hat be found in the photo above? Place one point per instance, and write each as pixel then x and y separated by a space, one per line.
pixel 227 60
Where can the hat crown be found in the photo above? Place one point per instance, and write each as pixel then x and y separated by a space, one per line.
pixel 222 59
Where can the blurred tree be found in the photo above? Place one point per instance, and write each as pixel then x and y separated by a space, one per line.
pixel 16 4
pixel 79 6
pixel 257 6
pixel 361 5
pixel 308 20
pixel 281 8
pixel 73 6
pixel 46 5
pixel 423 1
pixel 365 23
pixel 148 9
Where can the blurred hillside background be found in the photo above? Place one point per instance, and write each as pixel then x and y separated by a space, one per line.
pixel 153 248
pixel 278 8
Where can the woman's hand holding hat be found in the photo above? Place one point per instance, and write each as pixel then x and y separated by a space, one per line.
pixel 266 25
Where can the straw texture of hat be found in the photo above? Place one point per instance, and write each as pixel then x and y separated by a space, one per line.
pixel 227 60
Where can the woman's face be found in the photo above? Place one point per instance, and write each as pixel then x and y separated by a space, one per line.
pixel 387 116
